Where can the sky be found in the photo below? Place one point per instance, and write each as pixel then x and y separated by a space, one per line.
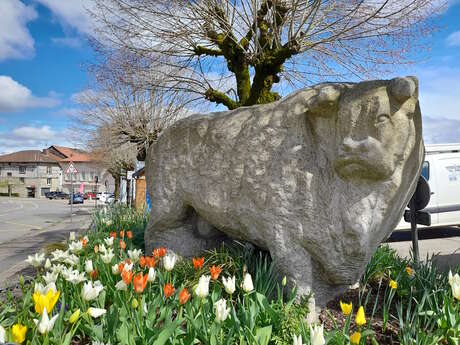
pixel 44 51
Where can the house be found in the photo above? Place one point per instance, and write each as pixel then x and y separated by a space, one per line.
pixel 29 173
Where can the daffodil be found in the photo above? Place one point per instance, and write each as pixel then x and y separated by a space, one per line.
pixel 355 338
pixel 221 310
pixel 229 284
pixel 19 333
pixel 45 302
pixel 360 319
pixel 248 286
pixel 317 335
pixel 393 284
pixel 346 307
pixel 45 325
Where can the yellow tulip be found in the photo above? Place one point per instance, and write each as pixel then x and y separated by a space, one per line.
pixel 19 333
pixel 74 317
pixel 393 284
pixel 47 301
pixel 360 317
pixel 346 307
pixel 355 338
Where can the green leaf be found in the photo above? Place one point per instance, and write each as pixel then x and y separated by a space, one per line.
pixel 263 335
pixel 67 339
pixel 123 334
pixel 165 334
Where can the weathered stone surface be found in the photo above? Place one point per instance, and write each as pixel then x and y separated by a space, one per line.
pixel 319 178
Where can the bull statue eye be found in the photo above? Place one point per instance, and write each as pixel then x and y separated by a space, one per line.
pixel 382 118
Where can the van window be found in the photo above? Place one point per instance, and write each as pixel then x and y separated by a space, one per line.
pixel 426 170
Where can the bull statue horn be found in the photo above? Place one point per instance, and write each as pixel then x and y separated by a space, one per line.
pixel 403 88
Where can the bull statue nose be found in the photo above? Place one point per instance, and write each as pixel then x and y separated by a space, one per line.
pixel 357 146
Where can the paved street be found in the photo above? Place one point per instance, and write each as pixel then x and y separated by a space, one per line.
pixel 26 225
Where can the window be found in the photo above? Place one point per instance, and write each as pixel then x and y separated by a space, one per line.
pixel 22 170
pixel 22 180
pixel 49 170
pixel 83 176
pixel 9 174
pixel 426 170
pixel 48 181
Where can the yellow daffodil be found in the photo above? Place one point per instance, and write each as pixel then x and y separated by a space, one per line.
pixel 393 284
pixel 360 319
pixel 19 333
pixel 346 307
pixel 47 301
pixel 74 317
pixel 355 338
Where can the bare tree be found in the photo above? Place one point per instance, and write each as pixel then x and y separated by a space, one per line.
pixel 236 53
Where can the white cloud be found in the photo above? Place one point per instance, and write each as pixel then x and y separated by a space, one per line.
pixel 72 42
pixel 14 97
pixel 15 38
pixel 34 133
pixel 438 130
pixel 453 39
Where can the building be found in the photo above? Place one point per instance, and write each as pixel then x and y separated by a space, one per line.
pixel 29 173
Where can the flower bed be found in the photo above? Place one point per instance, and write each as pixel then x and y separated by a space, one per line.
pixel 102 289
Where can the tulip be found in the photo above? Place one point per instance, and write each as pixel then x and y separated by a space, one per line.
pixel 202 290
pixel 316 335
pixel 96 248
pixel 122 245
pixel 298 340
pixel 47 264
pixel 355 338
pixel 122 234
pixel 150 261
pixel 248 286
pixel 113 234
pixel 45 289
pixel 168 290
pixel 115 269
pixel 129 234
pixel 151 275
pixel 159 252
pixel 393 284
pixel 59 255
pixel 283 283
pixel 125 266
pixel 410 271
pixel 184 296
pixel 96 312
pixel 90 291
pixel 229 284
pixel 71 259
pixel 84 241
pixel 74 317
pixel 134 303
pixel 50 277
pixel 57 268
pixel 221 310
pixel 215 271
pixel 108 256
pixel 19 333
pixel 76 247
pixel 346 307
pixel 127 276
pixel 89 266
pixel 71 236
pixel 134 254
pixel 454 282
pixel 74 276
pixel 45 325
pixel 142 261
pixel 360 319
pixel 109 241
pixel 198 263
pixel 140 282
pixel 2 335
pixel 121 286
pixel 35 260
pixel 45 302
pixel 169 261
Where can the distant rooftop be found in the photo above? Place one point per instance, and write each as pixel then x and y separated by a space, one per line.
pixel 28 156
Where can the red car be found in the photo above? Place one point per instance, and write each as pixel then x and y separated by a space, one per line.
pixel 90 195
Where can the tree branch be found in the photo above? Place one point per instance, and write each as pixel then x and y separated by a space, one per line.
pixel 220 98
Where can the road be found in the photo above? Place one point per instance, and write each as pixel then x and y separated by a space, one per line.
pixel 26 225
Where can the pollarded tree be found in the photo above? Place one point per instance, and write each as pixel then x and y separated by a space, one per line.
pixel 234 52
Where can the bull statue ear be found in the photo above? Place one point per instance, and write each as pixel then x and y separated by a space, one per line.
pixel 325 101
pixel 403 88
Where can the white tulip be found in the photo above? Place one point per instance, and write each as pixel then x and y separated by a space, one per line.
pixel 229 284
pixel 75 247
pixel 316 335
pixel 96 312
pixel 46 325
pixel 108 256
pixel 35 260
pixel 71 259
pixel 45 289
pixel 2 335
pixel 121 286
pixel 134 254
pixel 90 291
pixel 247 283
pixel 47 264
pixel 73 276
pixel 89 266
pixel 298 340
pixel 169 261
pixel 128 267
pixel 50 277
pixel 221 310
pixel 59 255
pixel 454 282
pixel 72 236
pixel 151 275
pixel 109 241
pixel 102 249
pixel 57 268
pixel 202 290
pixel 115 269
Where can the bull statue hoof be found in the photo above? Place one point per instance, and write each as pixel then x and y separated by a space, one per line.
pixel 318 178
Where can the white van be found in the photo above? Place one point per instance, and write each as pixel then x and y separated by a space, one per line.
pixel 441 169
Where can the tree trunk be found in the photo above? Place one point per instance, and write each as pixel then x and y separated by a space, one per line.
pixel 117 187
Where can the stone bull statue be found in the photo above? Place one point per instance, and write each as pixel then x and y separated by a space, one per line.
pixel 318 178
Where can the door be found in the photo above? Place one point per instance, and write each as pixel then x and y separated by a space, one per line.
pixel 43 191
pixel 448 181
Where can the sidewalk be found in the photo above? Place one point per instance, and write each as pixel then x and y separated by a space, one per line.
pixel 14 252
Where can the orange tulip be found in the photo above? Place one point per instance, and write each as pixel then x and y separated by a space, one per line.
pixel 96 249
pixel 122 244
pixel 122 234
pixel 129 234
pixel 127 276
pixel 184 296
pixel 198 263
pixel 113 234
pixel 168 290
pixel 150 261
pixel 140 282
pixel 215 271
pixel 142 261
pixel 159 252
pixel 84 242
pixel 94 274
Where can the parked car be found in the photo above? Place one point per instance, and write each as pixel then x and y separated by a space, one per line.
pixel 60 195
pixel 50 195
pixel 110 199
pixel 103 196
pixel 90 195
pixel 77 199
pixel 441 169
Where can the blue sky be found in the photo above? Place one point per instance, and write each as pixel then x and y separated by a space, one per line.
pixel 43 52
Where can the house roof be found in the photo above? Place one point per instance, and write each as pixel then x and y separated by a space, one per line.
pixel 73 155
pixel 28 156
pixel 140 172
